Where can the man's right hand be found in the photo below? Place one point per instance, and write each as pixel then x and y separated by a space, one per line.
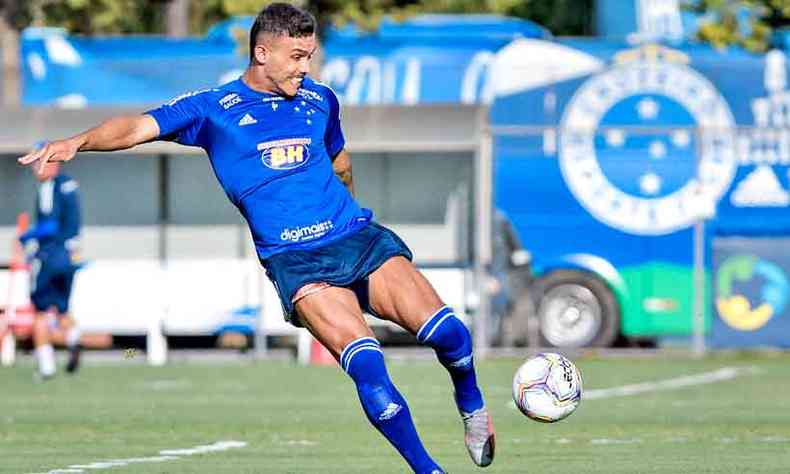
pixel 61 150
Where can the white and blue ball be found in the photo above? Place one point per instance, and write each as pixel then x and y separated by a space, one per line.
pixel 547 387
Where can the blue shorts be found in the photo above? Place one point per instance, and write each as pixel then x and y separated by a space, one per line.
pixel 51 278
pixel 346 263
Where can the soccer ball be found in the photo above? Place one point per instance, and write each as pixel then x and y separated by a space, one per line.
pixel 547 387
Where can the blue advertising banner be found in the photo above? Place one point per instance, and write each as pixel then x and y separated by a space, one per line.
pixel 426 59
pixel 639 130
pixel 751 284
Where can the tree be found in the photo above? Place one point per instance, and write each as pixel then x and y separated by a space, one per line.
pixel 10 25
pixel 746 23
pixel 91 17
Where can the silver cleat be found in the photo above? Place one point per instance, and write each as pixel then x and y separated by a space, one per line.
pixel 479 436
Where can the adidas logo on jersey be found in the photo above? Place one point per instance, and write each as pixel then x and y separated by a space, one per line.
pixel 247 120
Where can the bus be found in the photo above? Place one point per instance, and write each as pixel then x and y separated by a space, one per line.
pixel 605 155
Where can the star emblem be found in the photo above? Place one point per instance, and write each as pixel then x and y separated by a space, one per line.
pixel 681 138
pixel 650 183
pixel 615 138
pixel 647 109
pixel 657 149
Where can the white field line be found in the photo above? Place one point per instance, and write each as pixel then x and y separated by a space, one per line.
pixel 164 456
pixel 720 375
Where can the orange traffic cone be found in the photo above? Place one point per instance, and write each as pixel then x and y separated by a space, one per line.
pixel 17 252
pixel 17 318
pixel 319 355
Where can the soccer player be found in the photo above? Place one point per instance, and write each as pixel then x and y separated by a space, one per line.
pixel 51 246
pixel 275 144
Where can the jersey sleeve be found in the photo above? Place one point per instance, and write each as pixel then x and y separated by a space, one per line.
pixel 180 119
pixel 333 137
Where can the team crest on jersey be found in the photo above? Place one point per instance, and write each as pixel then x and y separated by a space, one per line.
pixel 285 154
pixel 638 140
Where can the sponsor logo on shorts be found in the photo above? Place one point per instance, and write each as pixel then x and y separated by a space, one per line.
pixel 285 154
pixel 307 232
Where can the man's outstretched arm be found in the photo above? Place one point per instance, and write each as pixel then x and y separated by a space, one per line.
pixel 341 165
pixel 117 133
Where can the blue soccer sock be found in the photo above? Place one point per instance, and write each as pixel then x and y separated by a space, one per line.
pixel 451 340
pixel 383 404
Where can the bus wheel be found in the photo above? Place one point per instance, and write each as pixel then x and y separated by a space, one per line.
pixel 576 309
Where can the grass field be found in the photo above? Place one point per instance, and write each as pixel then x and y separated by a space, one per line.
pixel 307 420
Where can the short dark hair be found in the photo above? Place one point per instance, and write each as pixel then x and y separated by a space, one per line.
pixel 281 19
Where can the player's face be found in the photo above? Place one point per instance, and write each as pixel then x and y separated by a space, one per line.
pixel 49 171
pixel 287 61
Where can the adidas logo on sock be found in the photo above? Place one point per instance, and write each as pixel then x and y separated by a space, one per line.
pixel 391 410
pixel 247 120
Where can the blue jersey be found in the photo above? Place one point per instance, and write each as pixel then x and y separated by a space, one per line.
pixel 57 215
pixel 273 157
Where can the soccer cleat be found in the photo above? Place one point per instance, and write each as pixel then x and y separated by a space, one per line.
pixel 479 436
pixel 74 359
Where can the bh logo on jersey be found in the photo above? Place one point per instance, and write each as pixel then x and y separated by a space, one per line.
pixel 285 154
pixel 640 142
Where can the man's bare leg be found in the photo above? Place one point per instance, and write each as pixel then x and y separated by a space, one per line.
pixel 401 294
pixel 334 317
pixel 45 354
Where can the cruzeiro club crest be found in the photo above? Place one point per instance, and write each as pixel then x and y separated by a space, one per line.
pixel 638 140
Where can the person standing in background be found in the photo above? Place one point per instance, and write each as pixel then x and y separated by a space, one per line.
pixel 51 247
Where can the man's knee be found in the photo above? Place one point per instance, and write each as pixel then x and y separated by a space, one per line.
pixel 334 317
pixel 401 294
pixel 451 339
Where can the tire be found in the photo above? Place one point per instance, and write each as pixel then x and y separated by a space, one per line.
pixel 576 309
pixel 516 326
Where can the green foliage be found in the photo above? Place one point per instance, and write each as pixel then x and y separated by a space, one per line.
pixel 728 23
pixel 561 17
pixel 98 16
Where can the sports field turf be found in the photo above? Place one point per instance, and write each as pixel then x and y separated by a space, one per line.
pixel 307 420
